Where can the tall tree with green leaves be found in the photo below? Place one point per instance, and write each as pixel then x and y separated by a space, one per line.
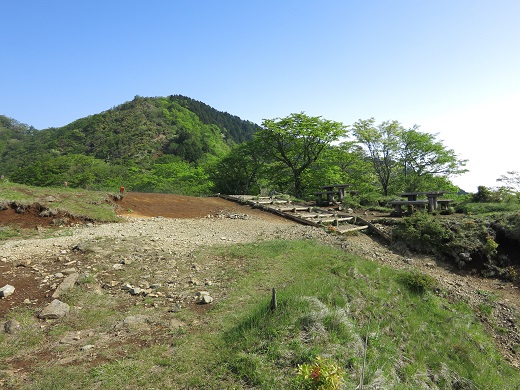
pixel 511 180
pixel 297 141
pixel 406 159
pixel 237 173
pixel 381 144
pixel 422 157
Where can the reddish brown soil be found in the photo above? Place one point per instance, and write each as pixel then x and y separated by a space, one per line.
pixel 134 204
pixel 178 206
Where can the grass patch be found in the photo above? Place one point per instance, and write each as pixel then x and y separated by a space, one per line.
pixel 483 209
pixel 77 202
pixel 329 303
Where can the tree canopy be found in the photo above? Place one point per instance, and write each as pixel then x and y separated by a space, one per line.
pixel 297 141
pixel 405 159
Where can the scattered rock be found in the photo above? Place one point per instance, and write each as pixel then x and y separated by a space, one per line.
pixel 54 310
pixel 204 297
pixel 71 338
pixel 138 321
pixel 6 291
pixel 66 285
pixel 45 214
pixel 176 324
pixel 12 326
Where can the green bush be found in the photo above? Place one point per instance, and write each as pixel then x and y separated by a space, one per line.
pixel 422 232
pixel 418 282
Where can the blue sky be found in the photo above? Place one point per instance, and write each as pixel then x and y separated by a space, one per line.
pixel 450 66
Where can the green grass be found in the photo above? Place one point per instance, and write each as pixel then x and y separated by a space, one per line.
pixel 79 203
pixel 329 302
pixel 488 208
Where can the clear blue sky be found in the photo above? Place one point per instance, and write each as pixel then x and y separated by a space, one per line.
pixel 450 66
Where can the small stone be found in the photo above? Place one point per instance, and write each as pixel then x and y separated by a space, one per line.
pixel 67 284
pixel 6 291
pixel 87 347
pixel 134 322
pixel 176 324
pixel 117 267
pixel 175 308
pixel 200 294
pixel 134 291
pixel 12 326
pixel 24 263
pixel 206 299
pixel 55 309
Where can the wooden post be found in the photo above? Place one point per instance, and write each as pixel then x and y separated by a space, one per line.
pixel 274 304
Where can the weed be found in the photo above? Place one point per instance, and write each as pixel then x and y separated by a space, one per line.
pixel 418 282
pixel 321 374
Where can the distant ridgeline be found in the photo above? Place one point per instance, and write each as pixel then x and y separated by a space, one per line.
pixel 173 134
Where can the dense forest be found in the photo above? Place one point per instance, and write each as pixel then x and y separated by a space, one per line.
pixel 148 144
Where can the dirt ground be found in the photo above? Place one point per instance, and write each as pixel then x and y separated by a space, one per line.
pixel 178 206
pixel 133 205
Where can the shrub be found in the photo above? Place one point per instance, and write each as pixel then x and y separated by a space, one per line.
pixel 418 282
pixel 421 232
pixel 320 375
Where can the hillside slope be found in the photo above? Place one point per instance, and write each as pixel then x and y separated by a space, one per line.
pixel 139 131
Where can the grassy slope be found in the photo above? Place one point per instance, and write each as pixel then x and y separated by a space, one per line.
pixel 77 202
pixel 329 302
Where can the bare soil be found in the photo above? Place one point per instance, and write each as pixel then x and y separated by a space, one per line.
pixel 179 224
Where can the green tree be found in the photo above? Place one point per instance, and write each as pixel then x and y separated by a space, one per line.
pixel 511 180
pixel 237 173
pixel 423 157
pixel 406 159
pixel 297 141
pixel 381 144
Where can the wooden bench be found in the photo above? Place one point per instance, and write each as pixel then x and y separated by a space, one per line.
pixel 444 203
pixel 330 197
pixel 411 204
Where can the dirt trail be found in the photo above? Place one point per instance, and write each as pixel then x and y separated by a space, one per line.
pixel 135 204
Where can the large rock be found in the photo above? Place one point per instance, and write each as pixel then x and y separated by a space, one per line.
pixel 55 309
pixel 66 285
pixel 12 326
pixel 6 291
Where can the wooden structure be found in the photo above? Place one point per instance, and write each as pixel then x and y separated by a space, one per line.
pixel 332 191
pixel 432 202
pixel 312 216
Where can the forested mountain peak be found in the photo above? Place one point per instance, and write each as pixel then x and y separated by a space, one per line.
pixel 149 142
pixel 138 130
